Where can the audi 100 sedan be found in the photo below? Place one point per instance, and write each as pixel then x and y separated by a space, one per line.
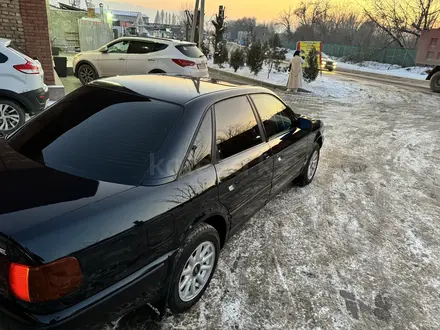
pixel 124 192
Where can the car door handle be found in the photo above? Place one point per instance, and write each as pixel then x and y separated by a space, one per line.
pixel 231 187
pixel 151 60
pixel 280 158
pixel 122 59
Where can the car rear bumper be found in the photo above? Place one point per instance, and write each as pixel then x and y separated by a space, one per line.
pixel 198 73
pixel 147 285
pixel 35 100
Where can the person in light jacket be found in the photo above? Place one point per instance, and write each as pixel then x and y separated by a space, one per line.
pixel 295 75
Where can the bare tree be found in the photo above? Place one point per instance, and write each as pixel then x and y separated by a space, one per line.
pixel 287 19
pixel 185 17
pixel 404 20
pixel 312 12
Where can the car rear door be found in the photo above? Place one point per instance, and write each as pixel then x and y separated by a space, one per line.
pixel 288 142
pixel 142 56
pixel 244 164
pixel 113 61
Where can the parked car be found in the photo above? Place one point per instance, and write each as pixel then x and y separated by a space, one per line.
pixel 327 62
pixel 138 55
pixel 22 87
pixel 124 192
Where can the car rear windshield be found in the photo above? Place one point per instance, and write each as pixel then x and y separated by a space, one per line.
pixel 99 133
pixel 190 51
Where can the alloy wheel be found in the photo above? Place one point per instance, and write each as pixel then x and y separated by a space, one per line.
pixel 197 270
pixel 87 74
pixel 313 165
pixel 9 117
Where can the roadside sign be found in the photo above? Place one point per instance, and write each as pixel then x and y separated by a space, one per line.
pixel 305 46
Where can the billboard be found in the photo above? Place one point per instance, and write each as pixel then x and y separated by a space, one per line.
pixel 305 46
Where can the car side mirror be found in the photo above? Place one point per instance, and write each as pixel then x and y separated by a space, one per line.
pixel 304 123
pixel 104 50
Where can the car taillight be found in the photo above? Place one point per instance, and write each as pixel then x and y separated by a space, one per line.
pixel 47 282
pixel 28 68
pixel 183 63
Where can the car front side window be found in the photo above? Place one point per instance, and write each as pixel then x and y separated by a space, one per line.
pixel 119 47
pixel 275 116
pixel 236 127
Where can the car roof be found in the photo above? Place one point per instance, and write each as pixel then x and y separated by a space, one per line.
pixel 154 39
pixel 175 89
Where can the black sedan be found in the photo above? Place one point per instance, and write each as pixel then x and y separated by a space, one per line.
pixel 124 192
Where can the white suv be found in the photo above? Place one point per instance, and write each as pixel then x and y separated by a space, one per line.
pixel 22 88
pixel 137 55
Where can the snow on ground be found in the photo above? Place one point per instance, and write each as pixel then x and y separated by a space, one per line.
pixel 325 85
pixel 356 249
pixel 417 72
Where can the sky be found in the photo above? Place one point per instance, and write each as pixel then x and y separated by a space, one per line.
pixel 263 10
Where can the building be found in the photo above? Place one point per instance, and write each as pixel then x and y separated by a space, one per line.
pixel 122 19
pixel 25 23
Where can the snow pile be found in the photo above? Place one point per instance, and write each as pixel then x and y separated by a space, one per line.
pixel 276 78
pixel 415 72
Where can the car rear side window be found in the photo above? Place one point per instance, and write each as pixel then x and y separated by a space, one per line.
pixel 99 134
pixel 190 51
pixel 236 127
pixel 3 58
pixel 276 117
pixel 139 47
pixel 200 153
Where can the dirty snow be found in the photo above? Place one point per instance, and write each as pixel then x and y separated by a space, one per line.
pixel 356 249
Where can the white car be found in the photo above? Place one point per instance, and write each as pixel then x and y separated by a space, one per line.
pixel 138 55
pixel 22 87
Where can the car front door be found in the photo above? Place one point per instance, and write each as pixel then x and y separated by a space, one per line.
pixel 112 62
pixel 289 143
pixel 244 163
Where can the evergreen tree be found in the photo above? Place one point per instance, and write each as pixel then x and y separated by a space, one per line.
pixel 255 57
pixel 237 58
pixel 157 18
pixel 162 17
pixel 204 47
pixel 311 71
pixel 275 54
pixel 173 20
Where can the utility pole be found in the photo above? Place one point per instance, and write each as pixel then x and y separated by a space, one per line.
pixel 202 22
pixel 194 22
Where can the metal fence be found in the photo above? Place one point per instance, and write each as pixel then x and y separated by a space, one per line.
pixel 399 56
pixel 93 34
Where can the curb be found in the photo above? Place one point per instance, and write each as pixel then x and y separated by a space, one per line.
pixel 253 81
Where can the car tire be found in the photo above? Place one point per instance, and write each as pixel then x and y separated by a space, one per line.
pixel 86 74
pixel 309 170
pixel 203 241
pixel 435 82
pixel 12 116
pixel 156 71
